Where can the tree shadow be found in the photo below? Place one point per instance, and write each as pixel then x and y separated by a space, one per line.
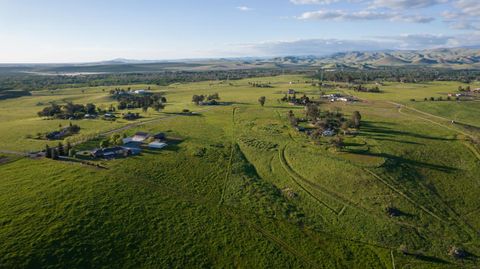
pixel 373 130
pixel 427 258
pixel 398 160
pixel 399 141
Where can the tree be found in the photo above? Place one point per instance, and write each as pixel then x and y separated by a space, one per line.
pixel 60 149
pixel 90 108
pixel 54 154
pixel 68 147
pixel 262 100
pixel 356 117
pixel 345 125
pixel 214 96
pixel 48 152
pixel 104 144
pixel 116 139
pixel 292 119
pixel 158 106
pixel 311 111
pixel 197 99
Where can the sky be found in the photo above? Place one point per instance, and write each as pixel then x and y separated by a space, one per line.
pixel 83 31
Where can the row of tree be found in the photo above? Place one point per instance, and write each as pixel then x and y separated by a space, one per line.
pixel 67 111
pixel 131 101
pixel 61 150
pixel 361 88
pixel 211 99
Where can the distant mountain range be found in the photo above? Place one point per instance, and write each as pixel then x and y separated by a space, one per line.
pixel 456 57
pixel 465 58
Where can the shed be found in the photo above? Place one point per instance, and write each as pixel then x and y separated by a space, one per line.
pixel 157 145
pixel 140 137
pixel 127 140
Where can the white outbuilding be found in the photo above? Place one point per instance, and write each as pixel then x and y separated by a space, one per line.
pixel 157 145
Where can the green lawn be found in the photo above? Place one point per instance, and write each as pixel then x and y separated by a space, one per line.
pixel 243 189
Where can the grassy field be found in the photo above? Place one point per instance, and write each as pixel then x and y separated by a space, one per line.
pixel 243 189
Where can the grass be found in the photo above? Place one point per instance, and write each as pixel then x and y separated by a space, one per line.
pixel 217 198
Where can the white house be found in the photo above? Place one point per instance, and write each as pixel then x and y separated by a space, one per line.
pixel 140 91
pixel 157 145
pixel 127 140
pixel 140 137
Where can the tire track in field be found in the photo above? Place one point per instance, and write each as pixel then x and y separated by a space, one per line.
pixel 294 178
pixel 408 198
pixel 334 196
pixel 230 161
pixel 451 214
pixel 238 214
pixel 232 212
pixel 270 237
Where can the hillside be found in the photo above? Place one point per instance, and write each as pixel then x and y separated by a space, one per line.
pixel 465 58
pixel 240 187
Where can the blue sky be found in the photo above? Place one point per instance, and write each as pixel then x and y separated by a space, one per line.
pixel 79 31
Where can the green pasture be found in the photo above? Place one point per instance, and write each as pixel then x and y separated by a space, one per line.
pixel 242 189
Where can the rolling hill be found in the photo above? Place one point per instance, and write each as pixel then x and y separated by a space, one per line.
pixel 465 58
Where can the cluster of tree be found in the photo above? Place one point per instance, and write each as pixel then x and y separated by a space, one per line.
pixel 121 91
pixel 397 74
pixel 462 89
pixel 8 94
pixel 67 111
pixel 361 88
pixel 130 116
pixel 56 152
pixel 438 99
pixel 211 99
pixel 303 100
pixel 129 101
pixel 71 129
pixel 260 85
pixel 113 140
pixel 327 121
pixel 23 81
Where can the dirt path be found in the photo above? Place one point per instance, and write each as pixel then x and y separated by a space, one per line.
pixel 18 153
pixel 400 106
pixel 136 124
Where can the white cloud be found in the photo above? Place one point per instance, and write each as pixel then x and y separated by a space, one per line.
pixel 322 47
pixel 465 17
pixel 468 7
pixel 244 8
pixel 313 2
pixel 341 15
pixel 405 4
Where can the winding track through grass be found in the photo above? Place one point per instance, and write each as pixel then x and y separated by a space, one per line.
pixel 297 178
pixel 230 161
